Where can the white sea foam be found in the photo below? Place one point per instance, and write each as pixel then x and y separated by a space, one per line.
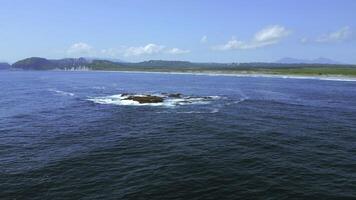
pixel 63 93
pixel 120 99
pixel 237 101
pixel 240 100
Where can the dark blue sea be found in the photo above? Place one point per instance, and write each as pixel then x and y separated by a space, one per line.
pixel 70 135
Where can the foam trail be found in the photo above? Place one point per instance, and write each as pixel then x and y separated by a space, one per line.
pixel 63 93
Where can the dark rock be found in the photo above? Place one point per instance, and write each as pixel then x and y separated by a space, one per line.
pixel 126 94
pixel 175 95
pixel 146 99
pixel 186 101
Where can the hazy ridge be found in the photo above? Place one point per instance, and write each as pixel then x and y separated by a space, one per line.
pixel 85 64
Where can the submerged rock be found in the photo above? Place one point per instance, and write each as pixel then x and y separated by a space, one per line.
pixel 175 95
pixel 127 94
pixel 156 99
pixel 145 99
pixel 150 98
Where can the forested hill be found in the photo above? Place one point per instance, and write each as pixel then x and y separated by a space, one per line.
pixel 37 63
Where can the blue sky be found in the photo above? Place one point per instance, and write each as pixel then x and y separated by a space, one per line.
pixel 203 31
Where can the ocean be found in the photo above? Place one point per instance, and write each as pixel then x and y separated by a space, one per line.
pixel 72 135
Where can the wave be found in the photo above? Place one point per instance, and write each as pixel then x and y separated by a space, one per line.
pixel 212 111
pixel 99 88
pixel 236 101
pixel 215 110
pixel 63 93
pixel 168 101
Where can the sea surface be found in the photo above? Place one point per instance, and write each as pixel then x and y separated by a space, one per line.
pixel 70 135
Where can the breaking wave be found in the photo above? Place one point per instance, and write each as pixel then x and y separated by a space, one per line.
pixel 167 100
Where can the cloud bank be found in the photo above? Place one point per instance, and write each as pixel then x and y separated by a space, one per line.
pixel 84 49
pixel 265 37
pixel 80 48
pixel 144 50
pixel 343 34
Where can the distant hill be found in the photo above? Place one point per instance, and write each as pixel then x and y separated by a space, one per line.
pixel 108 59
pixel 4 66
pixel 163 63
pixel 321 60
pixel 182 64
pixel 37 63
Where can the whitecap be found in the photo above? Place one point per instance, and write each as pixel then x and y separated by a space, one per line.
pixel 215 110
pixel 240 100
pixel 215 97
pixel 99 88
pixel 63 93
pixel 236 101
pixel 121 99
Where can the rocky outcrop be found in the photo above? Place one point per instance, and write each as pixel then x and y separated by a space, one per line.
pixel 150 98
pixel 145 99
pixel 164 97
pixel 175 95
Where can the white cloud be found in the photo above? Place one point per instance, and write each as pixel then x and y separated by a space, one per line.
pixel 80 48
pixel 150 49
pixel 271 34
pixel 304 40
pixel 144 50
pixel 111 52
pixel 231 44
pixel 204 39
pixel 265 37
pixel 84 49
pixel 177 51
pixel 340 35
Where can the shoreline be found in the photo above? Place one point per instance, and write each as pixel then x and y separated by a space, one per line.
pixel 253 75
pixel 219 73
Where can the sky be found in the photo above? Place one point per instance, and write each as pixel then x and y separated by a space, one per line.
pixel 192 30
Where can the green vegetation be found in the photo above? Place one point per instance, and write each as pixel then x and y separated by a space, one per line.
pixel 245 68
pixel 344 71
pixel 188 67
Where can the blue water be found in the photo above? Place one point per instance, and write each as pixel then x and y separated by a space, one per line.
pixel 261 138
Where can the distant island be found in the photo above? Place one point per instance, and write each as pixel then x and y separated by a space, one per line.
pixel 288 67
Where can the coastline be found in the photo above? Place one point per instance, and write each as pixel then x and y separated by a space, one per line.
pixel 256 75
pixel 219 73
